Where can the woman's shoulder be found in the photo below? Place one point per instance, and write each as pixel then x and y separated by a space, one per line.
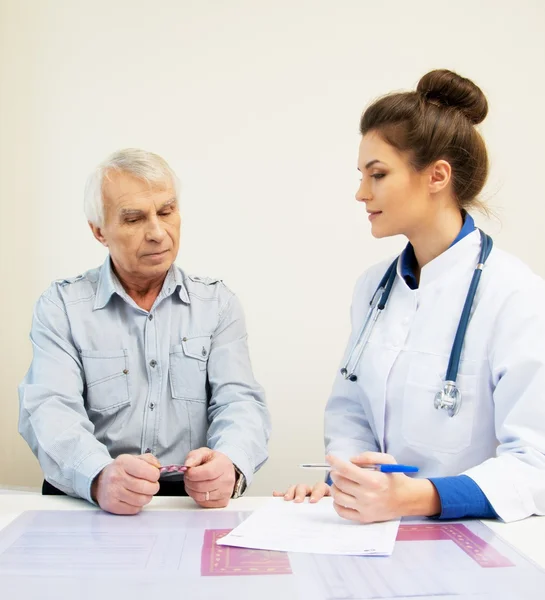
pixel 509 273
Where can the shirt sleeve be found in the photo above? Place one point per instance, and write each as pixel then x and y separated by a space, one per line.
pixel 239 421
pixel 52 415
pixel 461 497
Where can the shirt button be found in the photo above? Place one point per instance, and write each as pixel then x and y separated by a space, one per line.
pixel 152 406
pixel 147 451
pixel 153 363
pixel 150 317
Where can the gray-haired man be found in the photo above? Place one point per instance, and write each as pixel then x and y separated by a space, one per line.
pixel 137 364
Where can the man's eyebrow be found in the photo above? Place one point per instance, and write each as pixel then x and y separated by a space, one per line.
pixel 168 203
pixel 125 212
pixel 133 212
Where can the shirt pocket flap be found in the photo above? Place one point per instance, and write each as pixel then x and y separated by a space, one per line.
pixel 197 346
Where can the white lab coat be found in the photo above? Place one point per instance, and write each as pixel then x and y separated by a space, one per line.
pixel 498 437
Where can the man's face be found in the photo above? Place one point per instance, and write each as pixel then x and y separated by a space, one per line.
pixel 141 225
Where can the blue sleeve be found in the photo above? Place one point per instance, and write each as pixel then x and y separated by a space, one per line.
pixel 461 497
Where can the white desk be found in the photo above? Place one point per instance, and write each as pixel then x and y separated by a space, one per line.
pixel 528 536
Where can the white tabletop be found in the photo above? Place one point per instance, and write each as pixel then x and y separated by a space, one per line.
pixel 527 536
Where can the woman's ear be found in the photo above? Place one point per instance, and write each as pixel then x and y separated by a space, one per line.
pixel 440 176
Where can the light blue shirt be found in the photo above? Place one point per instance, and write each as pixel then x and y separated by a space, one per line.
pixel 108 378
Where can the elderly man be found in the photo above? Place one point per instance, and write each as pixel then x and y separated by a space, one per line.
pixel 138 365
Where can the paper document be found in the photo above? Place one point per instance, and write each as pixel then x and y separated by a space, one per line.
pixel 311 528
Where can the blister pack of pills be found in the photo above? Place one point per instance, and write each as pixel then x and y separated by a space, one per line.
pixel 173 469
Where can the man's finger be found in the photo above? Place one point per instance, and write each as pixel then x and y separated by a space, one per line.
pixel 198 457
pixel 208 472
pixel 201 486
pixel 214 503
pixel 150 459
pixel 139 468
pixel 132 499
pixel 141 486
pixel 218 502
pixel 210 495
pixel 121 508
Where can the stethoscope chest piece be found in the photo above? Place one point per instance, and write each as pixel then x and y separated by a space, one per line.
pixel 346 375
pixel 449 399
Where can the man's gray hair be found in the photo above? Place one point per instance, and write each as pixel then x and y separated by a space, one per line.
pixel 147 166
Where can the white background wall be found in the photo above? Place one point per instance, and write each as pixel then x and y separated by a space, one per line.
pixel 256 105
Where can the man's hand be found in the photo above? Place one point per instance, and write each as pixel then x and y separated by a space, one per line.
pixel 127 484
pixel 210 478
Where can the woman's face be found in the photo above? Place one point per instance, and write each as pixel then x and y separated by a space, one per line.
pixel 397 198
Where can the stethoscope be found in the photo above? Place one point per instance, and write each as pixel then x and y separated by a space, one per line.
pixel 449 398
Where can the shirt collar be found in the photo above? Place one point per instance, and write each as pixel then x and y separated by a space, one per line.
pixel 174 282
pixel 108 285
pixel 408 263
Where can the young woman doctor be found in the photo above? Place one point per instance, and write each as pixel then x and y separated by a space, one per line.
pixel 471 413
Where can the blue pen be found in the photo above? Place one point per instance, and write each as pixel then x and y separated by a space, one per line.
pixel 381 468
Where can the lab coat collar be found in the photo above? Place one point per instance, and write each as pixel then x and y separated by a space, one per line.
pixel 467 249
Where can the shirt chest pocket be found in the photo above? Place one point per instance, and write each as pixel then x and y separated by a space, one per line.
pixel 106 378
pixel 188 363
pixel 427 427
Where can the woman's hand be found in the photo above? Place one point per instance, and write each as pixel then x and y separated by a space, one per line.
pixel 299 492
pixel 371 496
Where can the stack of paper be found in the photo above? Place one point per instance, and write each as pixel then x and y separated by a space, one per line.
pixel 312 528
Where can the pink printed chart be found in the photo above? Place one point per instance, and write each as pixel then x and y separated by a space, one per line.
pixel 476 548
pixel 224 560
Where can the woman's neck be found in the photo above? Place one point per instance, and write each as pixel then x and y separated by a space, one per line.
pixel 435 236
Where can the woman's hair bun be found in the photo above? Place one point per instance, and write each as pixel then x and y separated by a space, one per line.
pixel 446 88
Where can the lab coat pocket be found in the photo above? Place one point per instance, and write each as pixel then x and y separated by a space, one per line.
pixel 106 379
pixel 423 425
pixel 187 368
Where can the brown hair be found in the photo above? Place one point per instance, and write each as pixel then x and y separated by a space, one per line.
pixel 436 122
